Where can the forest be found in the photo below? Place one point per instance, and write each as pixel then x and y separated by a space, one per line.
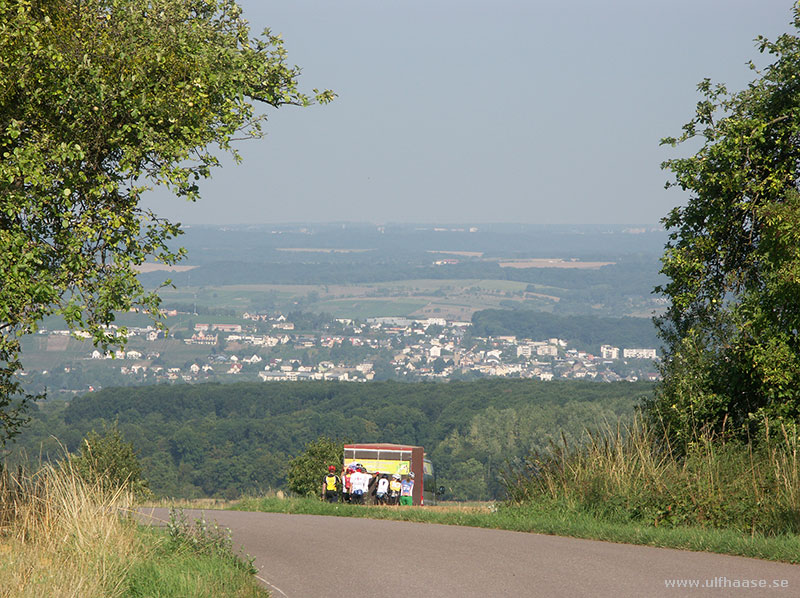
pixel 228 440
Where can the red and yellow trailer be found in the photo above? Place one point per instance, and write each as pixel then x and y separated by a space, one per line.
pixel 395 458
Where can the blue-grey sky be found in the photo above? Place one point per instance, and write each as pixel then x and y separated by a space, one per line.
pixel 475 111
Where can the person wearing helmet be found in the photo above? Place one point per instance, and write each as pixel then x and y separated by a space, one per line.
pixel 394 489
pixel 346 484
pixel 331 485
pixel 407 491
pixel 382 489
pixel 359 483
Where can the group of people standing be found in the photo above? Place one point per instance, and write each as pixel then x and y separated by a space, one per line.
pixel 356 486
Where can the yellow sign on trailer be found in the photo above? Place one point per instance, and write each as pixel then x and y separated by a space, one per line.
pixel 401 459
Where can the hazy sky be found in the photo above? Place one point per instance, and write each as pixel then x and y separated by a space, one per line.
pixel 471 111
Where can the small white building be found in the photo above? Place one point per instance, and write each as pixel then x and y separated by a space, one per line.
pixel 639 353
pixel 609 352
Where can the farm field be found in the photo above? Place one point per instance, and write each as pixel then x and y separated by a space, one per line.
pixel 47 352
pixel 448 298
pixel 552 263
pixel 360 308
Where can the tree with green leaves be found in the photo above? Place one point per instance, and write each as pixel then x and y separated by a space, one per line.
pixel 108 460
pixel 101 100
pixel 306 470
pixel 732 324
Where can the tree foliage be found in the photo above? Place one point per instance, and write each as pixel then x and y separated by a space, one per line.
pixel 100 100
pixel 306 470
pixel 108 460
pixel 733 258
pixel 585 332
pixel 225 440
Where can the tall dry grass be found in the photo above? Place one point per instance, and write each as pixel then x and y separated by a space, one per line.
pixel 61 536
pixel 627 472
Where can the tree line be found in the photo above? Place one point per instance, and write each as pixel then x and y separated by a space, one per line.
pixel 585 332
pixel 227 440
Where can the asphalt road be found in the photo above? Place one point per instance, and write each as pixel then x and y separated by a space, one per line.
pixel 301 556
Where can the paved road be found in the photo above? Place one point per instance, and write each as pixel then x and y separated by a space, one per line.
pixel 301 556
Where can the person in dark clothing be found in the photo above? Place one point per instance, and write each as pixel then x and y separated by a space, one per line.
pixel 331 485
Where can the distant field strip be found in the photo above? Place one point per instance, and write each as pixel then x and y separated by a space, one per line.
pixel 369 308
pixel 153 267
pixel 552 263
pixel 432 284
pixel 322 250
pixel 462 253
pixel 445 298
pixel 57 343
pixel 543 296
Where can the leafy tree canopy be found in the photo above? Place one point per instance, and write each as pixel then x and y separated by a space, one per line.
pixel 111 462
pixel 226 440
pixel 733 258
pixel 307 470
pixel 100 100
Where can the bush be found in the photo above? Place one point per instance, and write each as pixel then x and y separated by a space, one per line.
pixel 630 475
pixel 111 462
pixel 307 470
pixel 205 538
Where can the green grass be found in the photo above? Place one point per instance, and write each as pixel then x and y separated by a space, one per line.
pixel 434 284
pixel 553 519
pixel 61 535
pixel 361 309
pixel 355 300
pixel 177 570
pixel 628 474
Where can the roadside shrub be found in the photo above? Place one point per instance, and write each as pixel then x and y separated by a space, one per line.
pixel 63 536
pixel 628 474
pixel 307 470
pixel 108 460
pixel 205 538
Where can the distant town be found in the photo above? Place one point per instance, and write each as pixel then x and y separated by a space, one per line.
pixel 271 347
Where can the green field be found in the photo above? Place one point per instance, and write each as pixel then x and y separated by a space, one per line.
pixel 41 352
pixel 452 298
pixel 453 284
pixel 361 309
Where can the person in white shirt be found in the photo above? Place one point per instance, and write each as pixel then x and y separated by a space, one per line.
pixel 359 483
pixel 383 489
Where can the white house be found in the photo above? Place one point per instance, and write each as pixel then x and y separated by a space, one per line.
pixel 609 352
pixel 639 353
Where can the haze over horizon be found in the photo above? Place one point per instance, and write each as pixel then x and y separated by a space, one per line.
pixel 470 112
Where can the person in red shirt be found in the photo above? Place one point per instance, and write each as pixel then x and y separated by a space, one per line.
pixel 347 486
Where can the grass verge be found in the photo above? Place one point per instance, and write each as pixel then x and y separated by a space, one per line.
pixel 61 536
pixel 552 518
pixel 181 565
